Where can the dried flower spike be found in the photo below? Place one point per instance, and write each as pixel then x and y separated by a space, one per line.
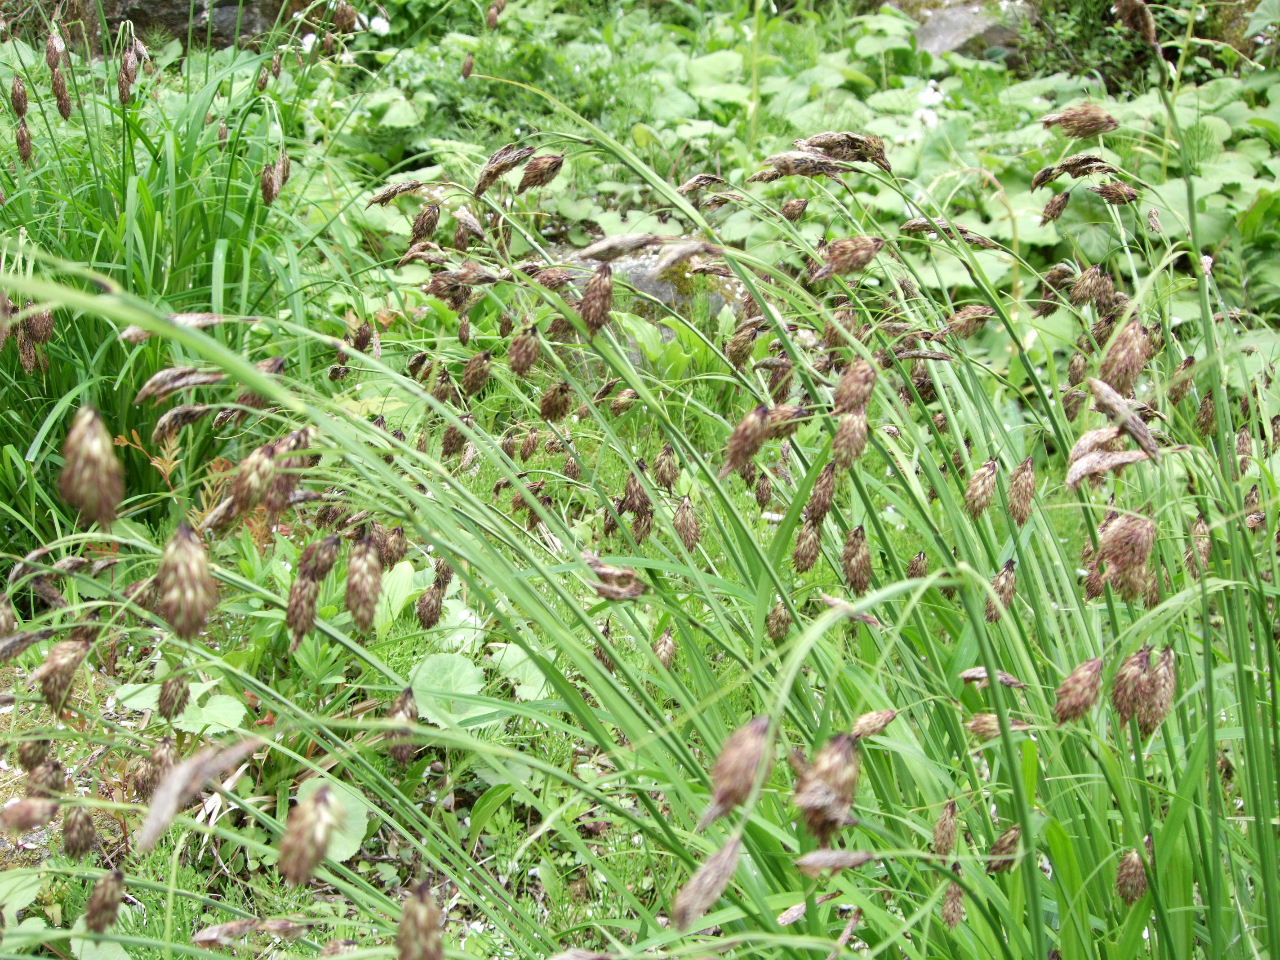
pixel 306 835
pixel 104 902
pixel 364 582
pixel 185 589
pixel 1079 691
pixel 92 479
pixel 419 935
pixel 737 768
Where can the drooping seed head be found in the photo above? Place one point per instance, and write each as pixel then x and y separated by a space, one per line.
pixel 918 568
pixel 849 255
pixel 186 592
pixel 746 440
pixel 1116 193
pixel 824 792
pixel 794 208
pixel 953 912
pixel 823 495
pixel 944 831
pixel 666 468
pixel 175 692
pixel 872 724
pixel 104 902
pixel 78 832
pixel 1022 491
pixel 1055 207
pixel 1131 878
pixel 1005 584
pixel 737 768
pixel 686 524
pixel 306 835
pixel 855 386
pixel 540 172
pixel 419 935
pixel 1003 855
pixel 254 478
pixel 851 438
pixel 982 488
pixel 430 606
pixel 778 624
pixel 364 583
pixel 1081 122
pixel 1126 356
pixel 706 885
pixel 665 649
pixel 597 299
pixel 1079 692
pixel 18 96
pixel 857 560
pixel 92 479
pixel 808 546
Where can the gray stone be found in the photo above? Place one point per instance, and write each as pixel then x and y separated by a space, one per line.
pixel 970 26
pixel 220 22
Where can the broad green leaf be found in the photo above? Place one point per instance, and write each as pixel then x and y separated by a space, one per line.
pixel 436 682
pixel 353 819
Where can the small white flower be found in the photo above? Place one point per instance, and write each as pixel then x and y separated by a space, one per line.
pixel 380 26
pixel 931 96
pixel 308 42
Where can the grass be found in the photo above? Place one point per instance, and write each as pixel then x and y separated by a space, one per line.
pixel 581 662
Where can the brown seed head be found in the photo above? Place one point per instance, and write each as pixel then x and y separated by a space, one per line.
pixel 1082 121
pixel 364 583
pixel 823 496
pixel 425 223
pixel 857 560
pixel 873 724
pixel 506 159
pixel 918 568
pixel 1003 855
pixel 1126 357
pixel 1116 193
pixel 982 488
pixel 855 386
pixel 1197 556
pixel 707 884
pixel 737 767
pixel 1137 16
pixel 1005 584
pixel 944 831
pixel 306 836
pixel 78 833
pixel 824 792
pixel 22 137
pixel 18 96
pixel 254 478
pixel 185 589
pixel 1079 692
pixel 808 546
pixel 967 321
pixel 175 692
pixel 851 439
pixel 1022 491
pixel 849 255
pixel 1131 878
pixel 31 753
pixel 778 624
pixel 104 902
pixel 746 440
pixel 665 648
pixel 666 468
pixel 794 208
pixel 953 912
pixel 1055 207
pixel 540 172
pixel 686 524
pixel 597 299
pixel 419 936
pixel 92 479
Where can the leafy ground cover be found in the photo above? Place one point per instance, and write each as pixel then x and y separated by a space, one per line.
pixel 389 572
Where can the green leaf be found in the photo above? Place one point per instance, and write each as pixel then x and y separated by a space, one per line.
pixel 397 589
pixel 436 683
pixel 219 714
pixel 353 818
pixel 516 665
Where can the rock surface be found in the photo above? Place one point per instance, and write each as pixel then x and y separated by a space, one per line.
pixel 974 26
pixel 219 22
